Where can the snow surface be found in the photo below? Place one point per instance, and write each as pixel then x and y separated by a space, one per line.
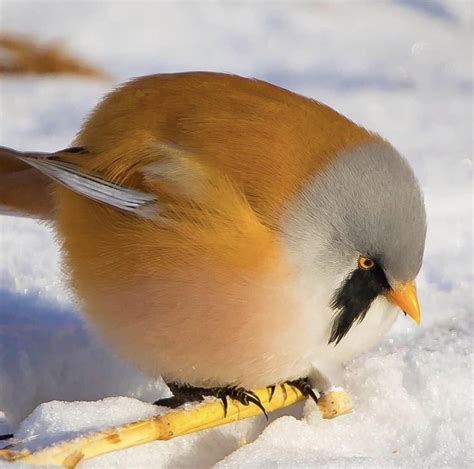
pixel 402 68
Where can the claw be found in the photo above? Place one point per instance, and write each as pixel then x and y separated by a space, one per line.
pixel 225 404
pixel 255 400
pixel 272 391
pixel 185 392
pixel 305 387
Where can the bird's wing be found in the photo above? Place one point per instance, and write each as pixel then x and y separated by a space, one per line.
pixel 176 187
pixel 188 206
pixel 58 167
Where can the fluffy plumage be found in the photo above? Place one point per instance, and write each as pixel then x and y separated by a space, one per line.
pixel 259 202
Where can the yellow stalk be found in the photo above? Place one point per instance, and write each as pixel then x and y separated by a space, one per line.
pixel 187 419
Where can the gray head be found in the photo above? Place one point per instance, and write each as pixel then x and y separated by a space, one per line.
pixel 366 202
pixel 369 201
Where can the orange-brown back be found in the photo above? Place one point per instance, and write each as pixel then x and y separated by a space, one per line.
pixel 265 139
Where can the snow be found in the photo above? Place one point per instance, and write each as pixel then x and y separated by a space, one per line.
pixel 402 68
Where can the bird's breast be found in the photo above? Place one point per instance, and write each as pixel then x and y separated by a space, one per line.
pixel 207 326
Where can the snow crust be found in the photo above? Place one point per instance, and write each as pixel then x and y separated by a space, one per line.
pixel 401 68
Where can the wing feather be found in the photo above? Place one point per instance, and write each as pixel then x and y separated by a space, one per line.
pixel 92 186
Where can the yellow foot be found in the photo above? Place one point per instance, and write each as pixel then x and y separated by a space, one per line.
pixel 334 402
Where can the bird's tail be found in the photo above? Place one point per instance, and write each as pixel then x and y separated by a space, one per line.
pixel 24 191
pixel 27 179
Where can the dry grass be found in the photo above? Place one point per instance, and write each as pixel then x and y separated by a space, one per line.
pixel 22 55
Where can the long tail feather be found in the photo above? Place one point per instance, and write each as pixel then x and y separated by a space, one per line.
pixel 24 191
pixel 56 167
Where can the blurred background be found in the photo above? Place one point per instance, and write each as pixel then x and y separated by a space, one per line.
pixel 402 68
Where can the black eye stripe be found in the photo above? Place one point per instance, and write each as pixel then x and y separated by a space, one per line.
pixel 353 298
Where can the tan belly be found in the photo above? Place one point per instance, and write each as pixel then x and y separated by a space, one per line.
pixel 206 327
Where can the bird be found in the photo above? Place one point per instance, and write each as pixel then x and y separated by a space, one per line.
pixel 226 233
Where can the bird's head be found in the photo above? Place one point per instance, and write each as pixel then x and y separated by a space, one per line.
pixel 358 230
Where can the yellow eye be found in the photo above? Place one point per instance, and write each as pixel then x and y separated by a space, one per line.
pixel 365 263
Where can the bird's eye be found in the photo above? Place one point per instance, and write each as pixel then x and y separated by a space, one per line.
pixel 365 263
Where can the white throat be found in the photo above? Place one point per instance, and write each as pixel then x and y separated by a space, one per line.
pixel 320 263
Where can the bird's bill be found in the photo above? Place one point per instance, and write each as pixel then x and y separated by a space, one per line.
pixel 405 297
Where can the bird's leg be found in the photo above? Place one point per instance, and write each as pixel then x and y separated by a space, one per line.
pixel 319 381
pixel 183 393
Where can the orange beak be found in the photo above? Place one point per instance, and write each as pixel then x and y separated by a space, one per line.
pixel 405 297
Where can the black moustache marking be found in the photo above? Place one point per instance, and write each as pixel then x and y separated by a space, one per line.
pixel 353 298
